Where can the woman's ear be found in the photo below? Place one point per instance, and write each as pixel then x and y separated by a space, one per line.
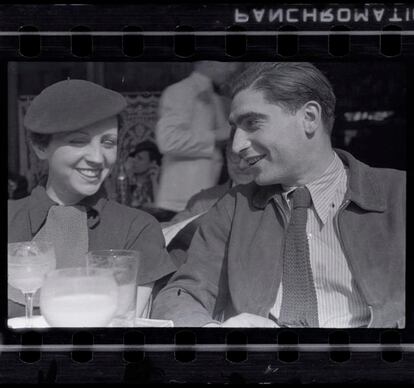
pixel 40 151
pixel 312 116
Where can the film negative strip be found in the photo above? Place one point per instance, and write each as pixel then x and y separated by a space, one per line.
pixel 365 328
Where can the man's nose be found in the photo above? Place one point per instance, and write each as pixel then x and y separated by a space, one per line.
pixel 240 141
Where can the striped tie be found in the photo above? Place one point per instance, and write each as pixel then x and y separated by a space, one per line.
pixel 299 304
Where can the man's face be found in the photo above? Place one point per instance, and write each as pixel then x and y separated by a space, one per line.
pixel 139 163
pixel 270 141
pixel 79 161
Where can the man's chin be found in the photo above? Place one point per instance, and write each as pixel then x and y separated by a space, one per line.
pixel 262 181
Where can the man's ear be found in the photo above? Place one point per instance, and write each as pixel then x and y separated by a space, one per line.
pixel 312 117
pixel 39 151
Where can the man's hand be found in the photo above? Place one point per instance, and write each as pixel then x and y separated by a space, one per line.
pixel 248 320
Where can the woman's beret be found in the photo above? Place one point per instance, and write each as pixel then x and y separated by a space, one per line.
pixel 70 105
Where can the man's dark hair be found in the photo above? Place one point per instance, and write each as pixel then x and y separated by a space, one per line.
pixel 290 85
pixel 151 147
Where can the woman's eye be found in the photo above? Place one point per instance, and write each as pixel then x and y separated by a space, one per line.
pixel 78 141
pixel 110 142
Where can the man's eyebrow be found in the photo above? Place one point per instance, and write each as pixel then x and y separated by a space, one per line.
pixel 248 115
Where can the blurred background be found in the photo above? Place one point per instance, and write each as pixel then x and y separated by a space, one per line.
pixel 370 115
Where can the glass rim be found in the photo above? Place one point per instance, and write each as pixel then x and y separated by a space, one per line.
pixel 114 252
pixel 17 243
pixel 23 265
pixel 80 271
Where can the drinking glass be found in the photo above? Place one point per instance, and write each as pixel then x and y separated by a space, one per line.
pixel 28 262
pixel 124 264
pixel 79 297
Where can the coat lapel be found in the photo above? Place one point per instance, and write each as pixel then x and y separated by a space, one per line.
pixel 255 250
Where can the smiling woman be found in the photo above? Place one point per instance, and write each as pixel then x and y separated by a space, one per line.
pixel 79 161
pixel 73 126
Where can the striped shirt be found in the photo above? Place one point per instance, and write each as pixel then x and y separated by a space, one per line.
pixel 340 303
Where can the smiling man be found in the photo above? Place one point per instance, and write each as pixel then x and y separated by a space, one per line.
pixel 317 240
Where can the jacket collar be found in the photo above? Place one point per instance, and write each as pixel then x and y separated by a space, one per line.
pixel 40 203
pixel 363 186
pixel 264 194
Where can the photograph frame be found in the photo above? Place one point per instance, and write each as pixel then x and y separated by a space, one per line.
pixel 188 354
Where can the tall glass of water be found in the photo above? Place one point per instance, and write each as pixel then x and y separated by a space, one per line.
pixel 28 263
pixel 79 297
pixel 124 264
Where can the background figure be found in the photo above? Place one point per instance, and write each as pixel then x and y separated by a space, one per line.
pixel 206 198
pixel 190 132
pixel 143 167
pixel 17 186
pixel 201 202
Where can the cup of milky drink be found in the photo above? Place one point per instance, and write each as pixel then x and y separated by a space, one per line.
pixel 124 265
pixel 79 297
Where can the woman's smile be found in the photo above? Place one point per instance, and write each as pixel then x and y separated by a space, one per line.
pixel 90 173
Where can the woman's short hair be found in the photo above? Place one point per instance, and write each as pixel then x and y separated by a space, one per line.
pixel 41 140
pixel 290 85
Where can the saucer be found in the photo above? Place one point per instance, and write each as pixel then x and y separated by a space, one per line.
pixel 38 322
pixel 145 322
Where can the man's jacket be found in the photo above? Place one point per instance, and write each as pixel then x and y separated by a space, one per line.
pixel 235 258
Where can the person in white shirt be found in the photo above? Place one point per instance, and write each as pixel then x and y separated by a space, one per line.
pixel 190 132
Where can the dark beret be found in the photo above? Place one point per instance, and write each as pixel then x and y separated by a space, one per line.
pixel 70 105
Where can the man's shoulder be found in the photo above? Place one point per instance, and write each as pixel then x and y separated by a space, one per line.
pixel 240 193
pixel 211 194
pixel 390 173
pixel 379 186
pixel 380 177
pixel 388 178
pixel 247 190
pixel 392 183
